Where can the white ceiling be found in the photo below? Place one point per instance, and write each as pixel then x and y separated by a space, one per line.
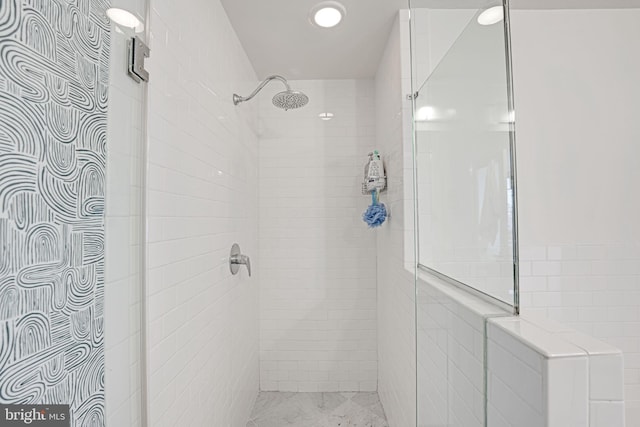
pixel 575 4
pixel 279 39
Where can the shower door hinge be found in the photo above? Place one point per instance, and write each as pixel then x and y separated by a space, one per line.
pixel 412 96
pixel 138 51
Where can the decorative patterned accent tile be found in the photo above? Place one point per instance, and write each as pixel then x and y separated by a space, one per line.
pixel 54 58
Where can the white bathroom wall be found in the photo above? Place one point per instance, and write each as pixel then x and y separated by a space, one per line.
pixel 202 197
pixel 317 258
pixel 451 352
pixel 577 101
pixel 542 373
pixel 123 233
pixel 396 294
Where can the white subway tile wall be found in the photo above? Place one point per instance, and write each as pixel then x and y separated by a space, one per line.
pixel 451 355
pixel 514 381
pixel 317 263
pixel 600 298
pixel 123 227
pixel 202 197
pixel 541 373
pixel 396 292
pixel 579 228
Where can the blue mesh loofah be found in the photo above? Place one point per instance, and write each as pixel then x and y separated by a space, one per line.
pixel 375 214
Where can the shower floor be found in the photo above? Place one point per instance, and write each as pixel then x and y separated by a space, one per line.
pixel 279 409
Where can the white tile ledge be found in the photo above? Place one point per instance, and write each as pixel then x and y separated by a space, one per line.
pixel 592 346
pixel 589 344
pixel 547 344
pixel 549 338
pixel 466 299
pixel 553 339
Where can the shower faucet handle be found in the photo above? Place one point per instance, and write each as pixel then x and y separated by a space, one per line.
pixel 236 259
pixel 245 260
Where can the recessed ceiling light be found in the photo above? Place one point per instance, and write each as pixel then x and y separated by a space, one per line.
pixel 327 17
pixel 325 116
pixel 126 19
pixel 327 14
pixel 491 16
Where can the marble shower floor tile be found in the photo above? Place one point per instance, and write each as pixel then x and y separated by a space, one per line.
pixel 278 409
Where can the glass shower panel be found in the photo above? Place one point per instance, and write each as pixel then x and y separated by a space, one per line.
pixel 125 228
pixel 463 124
pixel 463 139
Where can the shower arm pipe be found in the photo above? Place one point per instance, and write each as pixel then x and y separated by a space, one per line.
pixel 238 99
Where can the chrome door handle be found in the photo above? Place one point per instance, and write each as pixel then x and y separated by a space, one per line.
pixel 236 259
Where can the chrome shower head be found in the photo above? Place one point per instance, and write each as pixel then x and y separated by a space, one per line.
pixel 290 99
pixel 286 100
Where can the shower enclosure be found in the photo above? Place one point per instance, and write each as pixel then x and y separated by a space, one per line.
pixel 125 198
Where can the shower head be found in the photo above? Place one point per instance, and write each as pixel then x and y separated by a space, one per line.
pixel 290 99
pixel 286 100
